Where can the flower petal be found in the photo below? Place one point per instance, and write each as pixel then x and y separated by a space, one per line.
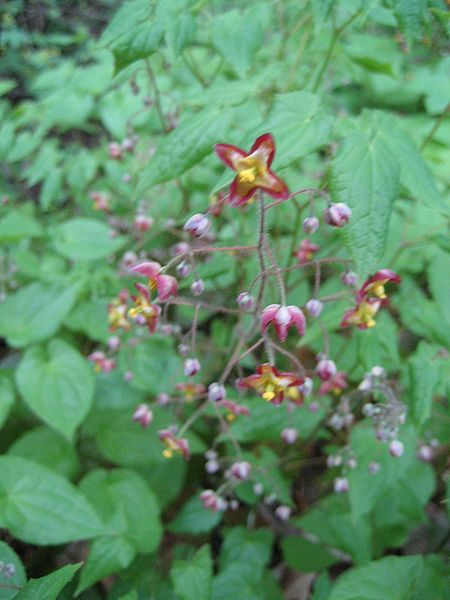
pixel 143 290
pixel 297 318
pixel 229 154
pixel 264 149
pixel 272 185
pixel 167 286
pixel 149 269
pixel 267 316
pixel 240 193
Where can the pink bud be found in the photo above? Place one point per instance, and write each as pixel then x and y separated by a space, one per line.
pixel 289 435
pixel 337 215
pixel 425 453
pixel 143 415
pixel 198 225
pixel 341 485
pixel 349 278
pixel 241 470
pixel 311 225
pixel 374 467
pixel 313 407
pixel 326 369
pixel 314 307
pixel 142 223
pixel 180 248
pixel 306 387
pixel 216 392
pixel 163 399
pixel 244 300
pixel 113 343
pixel 198 287
pixel 396 448
pixel 183 269
pixel 191 367
pixel 213 501
pixel 115 151
pixel 212 466
pixel 128 376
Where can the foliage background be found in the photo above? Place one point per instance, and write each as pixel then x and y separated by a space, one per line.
pixel 356 93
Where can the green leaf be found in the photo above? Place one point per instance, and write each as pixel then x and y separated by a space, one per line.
pixel 41 507
pixel 6 398
pixel 85 239
pixel 392 577
pixel 91 317
pixel 410 15
pixel 107 555
pixel 439 282
pixel 49 448
pixel 424 367
pixel 185 146
pixel 34 313
pixel 238 580
pixel 365 176
pixel 50 586
pixel 139 42
pixel 192 579
pixel 194 519
pixel 180 31
pixel 152 358
pixel 415 174
pixel 241 545
pixel 8 556
pixel 305 556
pixel 57 383
pixel 51 190
pixel 17 225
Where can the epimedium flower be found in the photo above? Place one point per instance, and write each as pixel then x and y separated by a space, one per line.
pixel 101 362
pixel 144 312
pixel 173 444
pixel 190 390
pixel 143 415
pixel 117 314
pixel 306 250
pixel 269 383
pixel 335 384
pixel 165 285
pixel 252 170
pixel 233 409
pixel 363 314
pixel 374 286
pixel 283 318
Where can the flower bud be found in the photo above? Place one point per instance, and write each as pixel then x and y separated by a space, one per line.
pixel 258 489
pixel 240 470
pixel 283 512
pixel 341 485
pixel 311 225
pixel 113 343
pixel 313 407
pixel 352 463
pixel 198 287
pixel 184 349
pixel 349 278
pixel 143 415
pixel 183 269
pixel 337 215
pixel 128 376
pixel 115 151
pixel 425 453
pixel 326 369
pixel 289 435
pixel 210 454
pixel 374 467
pixel 245 301
pixel 396 448
pixel 212 466
pixel 180 248
pixel 198 225
pixel 216 392
pixel 142 223
pixel 306 387
pixel 162 399
pixel 213 501
pixel 191 367
pixel 378 371
pixel 314 307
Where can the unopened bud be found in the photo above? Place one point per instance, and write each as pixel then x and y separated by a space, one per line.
pixel 183 269
pixel 283 512
pixel 326 369
pixel 241 470
pixel 289 435
pixel 311 225
pixel 349 278
pixel 142 223
pixel 198 287
pixel 191 367
pixel 314 307
pixel 143 415
pixel 216 392
pixel 198 225
pixel 341 485
pixel 396 448
pixel 337 215
pixel 374 467
pixel 245 301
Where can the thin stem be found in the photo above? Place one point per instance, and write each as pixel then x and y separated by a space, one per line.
pixel 193 68
pixel 260 249
pixel 235 359
pixel 206 250
pixel 194 327
pixel 435 127
pixel 277 272
pixel 154 85
pixel 192 418
pixel 293 358
pixel 205 305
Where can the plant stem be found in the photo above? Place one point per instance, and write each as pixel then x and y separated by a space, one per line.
pixel 435 127
pixel 158 106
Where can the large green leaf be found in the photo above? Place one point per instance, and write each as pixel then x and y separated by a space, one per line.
pixel 34 313
pixel 365 176
pixel 57 383
pixel 306 556
pixel 424 366
pixel 241 545
pixel 139 42
pixel 185 146
pixel 12 582
pixel 19 224
pixel 50 586
pixel 193 519
pixel 41 507
pixel 156 365
pixel 192 579
pixel 85 239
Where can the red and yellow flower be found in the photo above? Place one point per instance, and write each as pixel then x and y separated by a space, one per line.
pixel 191 391
pixel 165 285
pixel 335 384
pixel 173 444
pixel 252 170
pixel 144 312
pixel 269 383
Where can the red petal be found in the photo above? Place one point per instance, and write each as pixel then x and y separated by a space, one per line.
pixel 273 185
pixel 229 154
pixel 298 318
pixel 167 286
pixel 143 290
pixel 264 148
pixel 149 269
pixel 268 315
pixel 239 195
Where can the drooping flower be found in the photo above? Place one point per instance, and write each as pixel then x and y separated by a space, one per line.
pixel 373 287
pixel 326 368
pixel 253 170
pixel 143 415
pixel 213 501
pixel 305 252
pixel 363 314
pixel 283 317
pixel 216 392
pixel 191 391
pixel 198 225
pixel 173 444
pixel 144 312
pixel 269 383
pixel 233 409
pixel 165 285
pixel 311 225
pixel 240 470
pixel 101 362
pixel 191 367
pixel 335 384
pixel 117 314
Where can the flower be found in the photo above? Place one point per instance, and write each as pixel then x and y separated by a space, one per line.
pixel 144 312
pixel 326 368
pixel 289 435
pixel 117 314
pixel 142 223
pixel 349 278
pixel 362 315
pixel 311 225
pixel 198 287
pixel 283 317
pixel 234 410
pixel 341 485
pixel 337 215
pixel 216 392
pixel 314 307
pixel 166 285
pixel 305 252
pixel 270 383
pixel 191 390
pixel 143 415
pixel 334 384
pixel 396 448
pixel 373 287
pixel 245 301
pixel 191 367
pixel 240 470
pixel 101 201
pixel 253 170
pixel 101 362
pixel 198 225
pixel 213 501
pixel 173 444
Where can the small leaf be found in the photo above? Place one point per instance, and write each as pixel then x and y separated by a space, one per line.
pixel 139 42
pixel 424 367
pixel 85 239
pixel 194 519
pixel 365 176
pixel 50 586
pixel 192 579
pixel 41 507
pixel 57 383
pixel 17 225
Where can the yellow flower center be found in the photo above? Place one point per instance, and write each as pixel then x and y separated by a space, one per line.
pixel 249 169
pixel 247 175
pixel 365 314
pixel 378 290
